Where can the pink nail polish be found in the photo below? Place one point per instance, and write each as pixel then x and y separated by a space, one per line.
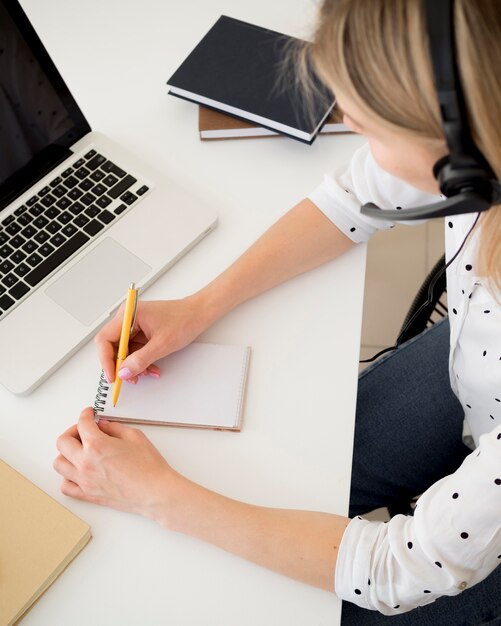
pixel 155 374
pixel 125 373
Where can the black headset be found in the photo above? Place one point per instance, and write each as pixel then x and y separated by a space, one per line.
pixel 464 176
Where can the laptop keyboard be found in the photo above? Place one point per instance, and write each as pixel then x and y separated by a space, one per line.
pixel 62 217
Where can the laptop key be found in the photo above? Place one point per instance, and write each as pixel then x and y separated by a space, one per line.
pixel 59 191
pixel 75 193
pixel 6 267
pixel 13 228
pixel 3 238
pixel 30 246
pixel 58 180
pixel 95 161
pixel 20 290
pixel 25 219
pixel 76 208
pixel 99 189
pixel 53 227
pixel 34 259
pixel 2 290
pixel 97 175
pixel 6 251
pixel 79 163
pixel 86 184
pixel 63 203
pixel 41 237
pixel 44 191
pixel 88 198
pixel 52 212
pixel 46 249
pixel 32 200
pixel 17 241
pixel 37 209
pixel 128 197
pixel 20 210
pixel 28 232
pixel 17 257
pixel 89 154
pixel 10 280
pixel 48 200
pixel 110 180
pixel 8 220
pixel 92 211
pixel 103 201
pixel 81 220
pixel 41 221
pixel 67 172
pixel 65 217
pixel 69 230
pixel 111 168
pixel 82 173
pixel 6 302
pixel 142 190
pixel 22 269
pixel 57 240
pixel 71 182
pixel 120 209
pixel 54 261
pixel 93 227
pixel 122 186
pixel 106 217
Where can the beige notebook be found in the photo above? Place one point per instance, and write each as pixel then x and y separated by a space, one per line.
pixel 38 538
pixel 201 386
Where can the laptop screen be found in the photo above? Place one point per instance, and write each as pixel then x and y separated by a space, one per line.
pixel 39 119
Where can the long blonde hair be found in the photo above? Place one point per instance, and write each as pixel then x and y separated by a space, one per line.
pixel 376 53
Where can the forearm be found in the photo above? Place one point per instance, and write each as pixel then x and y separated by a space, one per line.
pixel 301 240
pixel 300 544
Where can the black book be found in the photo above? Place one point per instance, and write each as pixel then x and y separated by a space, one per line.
pixel 238 68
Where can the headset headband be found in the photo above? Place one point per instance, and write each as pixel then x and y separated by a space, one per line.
pixel 464 175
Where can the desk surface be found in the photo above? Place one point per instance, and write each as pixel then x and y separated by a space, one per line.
pixel 295 446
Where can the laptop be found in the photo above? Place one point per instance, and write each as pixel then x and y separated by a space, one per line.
pixel 80 217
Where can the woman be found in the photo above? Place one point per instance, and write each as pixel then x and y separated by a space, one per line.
pixel 409 431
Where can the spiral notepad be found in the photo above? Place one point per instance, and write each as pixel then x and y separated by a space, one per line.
pixel 201 386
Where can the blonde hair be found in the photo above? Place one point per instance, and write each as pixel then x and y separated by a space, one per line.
pixel 376 53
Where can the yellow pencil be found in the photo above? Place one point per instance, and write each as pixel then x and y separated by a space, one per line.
pixel 123 346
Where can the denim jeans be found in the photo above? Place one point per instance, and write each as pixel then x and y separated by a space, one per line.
pixel 408 435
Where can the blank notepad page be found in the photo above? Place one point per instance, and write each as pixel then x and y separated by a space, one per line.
pixel 202 385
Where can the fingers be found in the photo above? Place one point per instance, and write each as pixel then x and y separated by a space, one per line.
pixel 87 427
pixel 117 430
pixel 141 360
pixel 65 468
pixel 69 488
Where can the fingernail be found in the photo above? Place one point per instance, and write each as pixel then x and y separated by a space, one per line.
pixel 125 373
pixel 155 374
pixel 102 421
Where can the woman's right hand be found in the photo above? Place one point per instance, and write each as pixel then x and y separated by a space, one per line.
pixel 160 327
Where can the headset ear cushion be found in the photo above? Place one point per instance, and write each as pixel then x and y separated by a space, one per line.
pixel 439 165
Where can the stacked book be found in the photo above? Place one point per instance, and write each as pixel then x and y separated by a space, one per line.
pixel 240 76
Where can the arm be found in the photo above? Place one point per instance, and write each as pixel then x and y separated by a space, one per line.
pixel 115 465
pixel 302 239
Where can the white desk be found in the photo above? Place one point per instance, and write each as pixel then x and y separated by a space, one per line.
pixel 295 447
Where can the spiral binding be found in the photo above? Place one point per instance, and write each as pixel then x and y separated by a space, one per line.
pixel 101 394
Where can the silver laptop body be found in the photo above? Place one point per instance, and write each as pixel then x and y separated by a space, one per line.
pixel 80 217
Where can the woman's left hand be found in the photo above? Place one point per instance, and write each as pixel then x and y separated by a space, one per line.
pixel 114 465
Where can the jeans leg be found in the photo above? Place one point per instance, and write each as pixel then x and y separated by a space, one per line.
pixel 408 435
pixel 408 430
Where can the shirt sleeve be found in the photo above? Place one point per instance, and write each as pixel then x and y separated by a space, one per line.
pixel 342 193
pixel 452 542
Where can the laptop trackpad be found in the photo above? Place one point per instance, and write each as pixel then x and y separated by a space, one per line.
pixel 95 284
